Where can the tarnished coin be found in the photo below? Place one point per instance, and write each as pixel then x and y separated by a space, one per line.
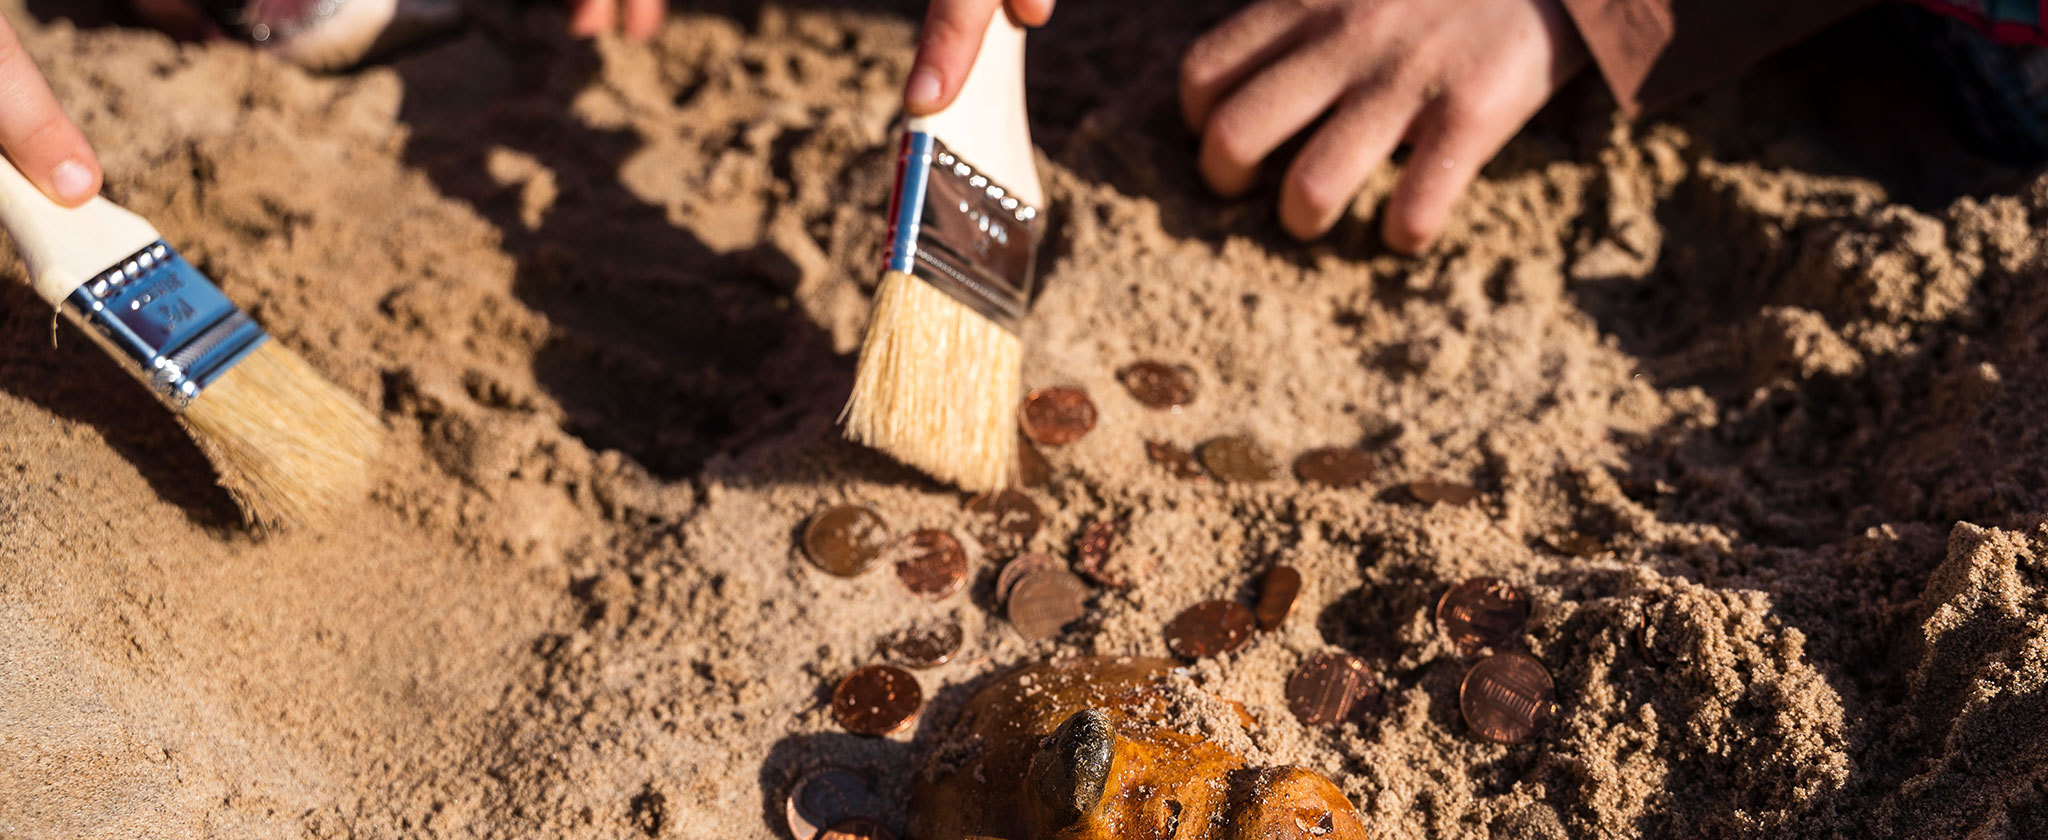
pixel 1045 602
pixel 1339 466
pixel 1094 552
pixel 1005 520
pixel 1507 697
pixel 932 565
pixel 1277 591
pixel 845 540
pixel 1158 384
pixel 1237 459
pixel 1432 492
pixel 1032 468
pixel 1057 416
pixel 1178 462
pixel 1482 612
pixel 1332 688
pixel 1016 570
pixel 877 700
pixel 1209 628
pixel 826 795
pixel 1575 543
pixel 924 645
pixel 858 828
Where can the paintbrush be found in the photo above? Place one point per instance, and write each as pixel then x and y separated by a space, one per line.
pixel 287 444
pixel 938 379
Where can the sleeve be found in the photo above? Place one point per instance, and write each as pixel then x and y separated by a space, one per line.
pixel 1654 52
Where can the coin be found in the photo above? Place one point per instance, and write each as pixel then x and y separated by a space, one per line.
pixel 1178 462
pixel 1032 469
pixel 1237 459
pixel 1332 688
pixel 877 700
pixel 1339 466
pixel 1277 591
pixel 858 828
pixel 826 795
pixel 1005 520
pixel 1045 602
pixel 924 645
pixel 1507 697
pixel 933 566
pixel 845 540
pixel 1482 612
pixel 1158 385
pixel 1209 628
pixel 1432 492
pixel 1020 568
pixel 1574 543
pixel 1057 416
pixel 1094 551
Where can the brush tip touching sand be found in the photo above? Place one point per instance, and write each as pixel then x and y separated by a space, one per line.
pixel 289 445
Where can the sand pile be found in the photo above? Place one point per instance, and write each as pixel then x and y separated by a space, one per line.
pixel 606 299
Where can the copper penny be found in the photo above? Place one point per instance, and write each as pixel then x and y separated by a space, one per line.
pixel 858 828
pixel 1178 462
pixel 1339 466
pixel 1330 689
pixel 1507 697
pixel 1277 591
pixel 1094 552
pixel 1023 566
pixel 877 700
pixel 1057 416
pixel 1045 602
pixel 1432 492
pixel 1210 628
pixel 827 795
pixel 1482 612
pixel 1158 385
pixel 1575 543
pixel 1237 459
pixel 924 645
pixel 933 565
pixel 1032 468
pixel 845 540
pixel 1005 520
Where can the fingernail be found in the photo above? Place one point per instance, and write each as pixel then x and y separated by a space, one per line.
pixel 72 180
pixel 923 90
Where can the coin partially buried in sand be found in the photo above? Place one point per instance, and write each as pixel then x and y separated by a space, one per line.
pixel 924 645
pixel 1334 467
pixel 1481 613
pixel 1210 628
pixel 1057 416
pixel 1330 689
pixel 932 565
pixel 1045 602
pixel 1005 520
pixel 1278 589
pixel 1237 459
pixel 845 540
pixel 825 796
pixel 1158 384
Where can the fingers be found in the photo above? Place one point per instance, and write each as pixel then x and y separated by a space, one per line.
pixel 1452 140
pixel 38 137
pixel 1221 59
pixel 1031 12
pixel 1357 139
pixel 638 20
pixel 643 18
pixel 591 18
pixel 1262 113
pixel 945 52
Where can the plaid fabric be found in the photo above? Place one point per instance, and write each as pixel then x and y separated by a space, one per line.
pixel 2006 21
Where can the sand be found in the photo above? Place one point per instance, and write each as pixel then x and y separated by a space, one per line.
pixel 605 299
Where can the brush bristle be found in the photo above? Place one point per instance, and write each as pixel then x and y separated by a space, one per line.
pixel 289 445
pixel 937 386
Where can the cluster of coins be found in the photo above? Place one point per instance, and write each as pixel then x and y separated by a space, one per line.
pixel 834 803
pixel 1506 697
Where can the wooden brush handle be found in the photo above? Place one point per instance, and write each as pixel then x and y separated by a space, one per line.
pixel 66 246
pixel 986 124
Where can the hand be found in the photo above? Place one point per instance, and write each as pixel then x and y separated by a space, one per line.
pixel 590 18
pixel 947 46
pixel 1455 79
pixel 37 136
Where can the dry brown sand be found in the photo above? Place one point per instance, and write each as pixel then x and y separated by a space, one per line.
pixel 606 300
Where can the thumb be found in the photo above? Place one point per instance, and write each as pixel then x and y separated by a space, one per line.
pixel 43 143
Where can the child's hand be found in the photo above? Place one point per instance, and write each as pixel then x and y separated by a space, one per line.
pixel 38 137
pixel 590 18
pixel 947 46
pixel 1455 79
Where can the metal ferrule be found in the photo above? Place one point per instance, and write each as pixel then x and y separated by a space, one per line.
pixel 962 232
pixel 160 313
